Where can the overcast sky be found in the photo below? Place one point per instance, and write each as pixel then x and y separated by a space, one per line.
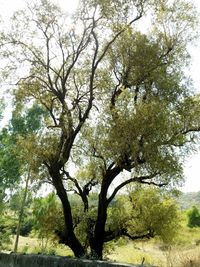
pixel 192 167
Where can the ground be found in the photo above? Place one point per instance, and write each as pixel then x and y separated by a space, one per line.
pixel 184 253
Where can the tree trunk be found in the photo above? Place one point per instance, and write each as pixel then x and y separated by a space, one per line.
pixel 21 213
pixel 68 237
pixel 97 241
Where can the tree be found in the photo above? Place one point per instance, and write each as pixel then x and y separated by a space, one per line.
pixel 16 164
pixel 154 214
pixel 193 217
pixel 15 205
pixel 5 233
pixel 9 166
pixel 117 100
pixel 46 219
pixel 6 181
pixel 24 127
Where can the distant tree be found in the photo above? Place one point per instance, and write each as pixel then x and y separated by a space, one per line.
pixel 23 128
pixel 5 180
pixel 193 217
pixel 9 165
pixel 5 232
pixel 15 159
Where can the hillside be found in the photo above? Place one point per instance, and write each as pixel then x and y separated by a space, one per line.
pixel 187 200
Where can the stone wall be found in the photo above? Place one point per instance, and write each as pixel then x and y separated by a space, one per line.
pixel 19 260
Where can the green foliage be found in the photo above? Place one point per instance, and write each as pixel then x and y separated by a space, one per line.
pixel 11 154
pixel 141 212
pixel 14 206
pixel 193 217
pixel 2 106
pixel 28 123
pixel 155 212
pixel 146 211
pixel 9 166
pixel 5 232
pixel 16 199
pixel 47 217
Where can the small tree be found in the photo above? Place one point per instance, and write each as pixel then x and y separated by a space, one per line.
pixel 144 213
pixel 16 162
pixel 47 217
pixel 193 217
pixel 5 233
pixel 24 127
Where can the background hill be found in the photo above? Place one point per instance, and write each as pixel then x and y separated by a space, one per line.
pixel 186 200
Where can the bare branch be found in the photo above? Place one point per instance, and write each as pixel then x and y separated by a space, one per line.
pixel 140 179
pixel 83 193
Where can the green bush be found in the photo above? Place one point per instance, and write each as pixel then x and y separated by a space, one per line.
pixel 193 217
pixel 5 234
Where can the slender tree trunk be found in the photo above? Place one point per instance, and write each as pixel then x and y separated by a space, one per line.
pixel 21 213
pixel 68 238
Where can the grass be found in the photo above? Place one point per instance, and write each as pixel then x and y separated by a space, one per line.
pixel 33 245
pixel 151 254
pixel 187 258
pixel 141 252
pixel 184 253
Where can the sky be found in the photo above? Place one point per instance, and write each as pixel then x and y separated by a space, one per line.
pixel 192 165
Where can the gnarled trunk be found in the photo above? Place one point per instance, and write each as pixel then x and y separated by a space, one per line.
pixel 68 237
pixel 97 241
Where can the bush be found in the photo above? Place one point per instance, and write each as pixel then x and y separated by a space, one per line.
pixel 194 217
pixel 4 234
pixel 26 227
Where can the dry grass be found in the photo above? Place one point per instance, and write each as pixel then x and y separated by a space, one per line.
pixel 150 253
pixel 33 245
pixel 142 252
pixel 153 255
pixel 189 258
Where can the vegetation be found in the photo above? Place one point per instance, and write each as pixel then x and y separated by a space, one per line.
pixel 180 250
pixel 101 110
pixel 194 217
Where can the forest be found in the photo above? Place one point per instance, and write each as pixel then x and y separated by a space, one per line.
pixel 103 116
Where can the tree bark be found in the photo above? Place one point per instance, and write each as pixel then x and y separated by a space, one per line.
pixel 68 237
pixel 98 239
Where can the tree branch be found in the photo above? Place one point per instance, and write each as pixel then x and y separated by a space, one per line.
pixel 110 235
pixel 83 193
pixel 140 179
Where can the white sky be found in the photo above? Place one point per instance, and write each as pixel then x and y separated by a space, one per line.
pixel 192 167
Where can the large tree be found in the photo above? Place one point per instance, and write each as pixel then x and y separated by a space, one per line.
pixel 117 99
